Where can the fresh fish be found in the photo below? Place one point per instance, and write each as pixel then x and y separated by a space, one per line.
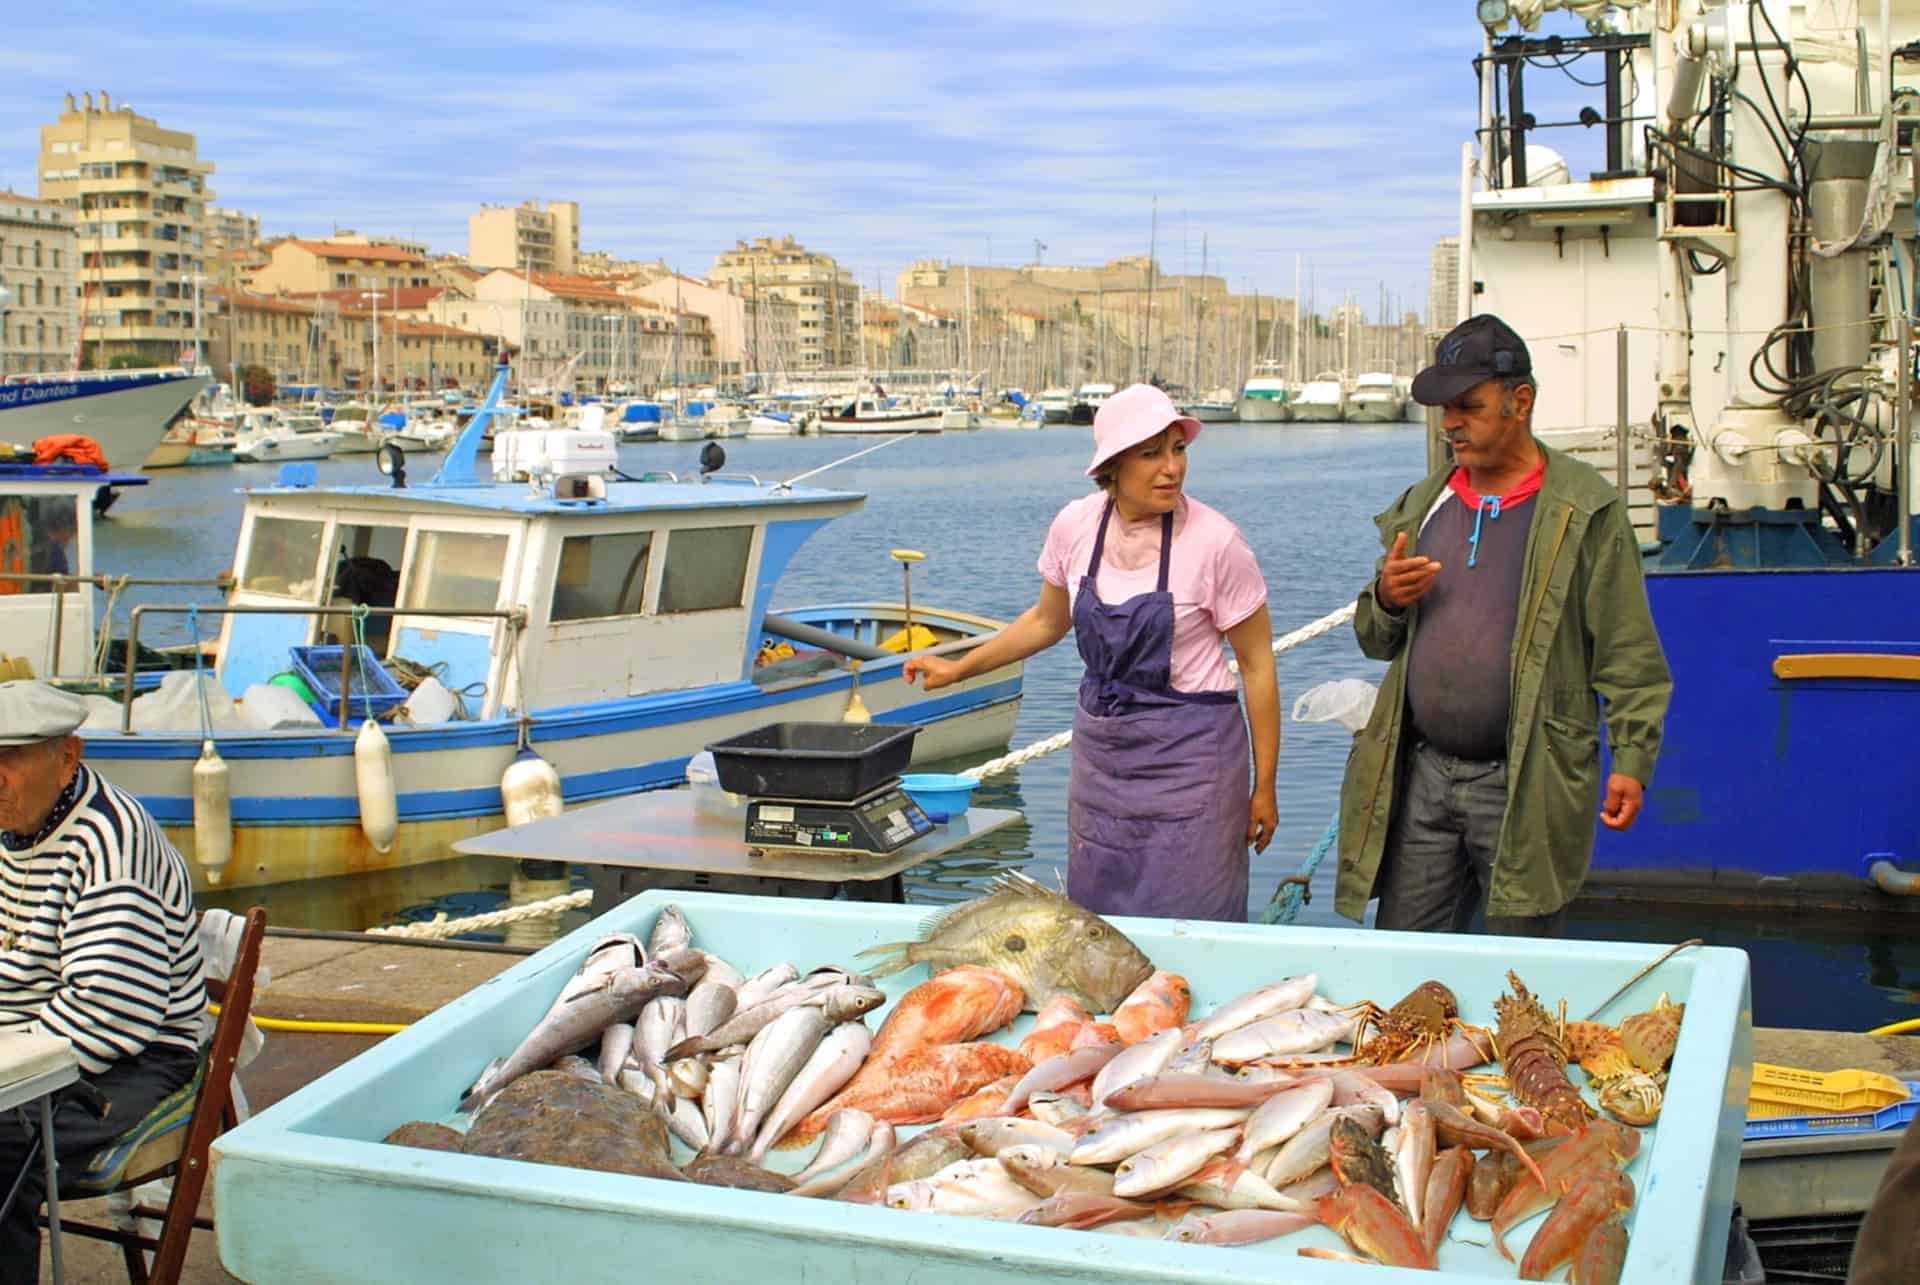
pixel 1375 1226
pixel 984 1102
pixel 1083 1211
pixel 1312 1147
pixel 617 997
pixel 1603 1257
pixel 991 1137
pixel 688 1077
pixel 1158 1004
pixel 1300 1031
pixel 1187 1089
pixel 1326 1255
pixel 1256 1005
pixel 654 1035
pixel 826 1071
pixel 1351 1088
pixel 761 986
pixel 1579 1214
pixel 1057 1108
pixel 670 931
pixel 1321 1182
pixel 1283 1115
pixel 721 1102
pixel 773 1060
pixel 830 1179
pixel 919 1086
pixel 637 1082
pixel 1045 1172
pixel 1358 1159
pixel 1446 1188
pixel 1054 1027
pixel 1059 1071
pixel 1035 935
pixel 721 971
pixel 1167 1164
pixel 1209 1186
pixel 615 1042
pixel 1240 1227
pixel 971 1187
pixel 732 1171
pixel 1413 1156
pixel 610 954
pixel 1149 1057
pixel 1455 1128
pixel 919 1157
pixel 578 1067
pixel 684 1121
pixel 960 1004
pixel 1195 1057
pixel 1602 1146
pixel 1496 1173
pixel 710 1003
pixel 845 1138
pixel 839 1001
pixel 1122 1136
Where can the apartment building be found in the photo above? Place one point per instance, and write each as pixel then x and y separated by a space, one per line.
pixel 535 236
pixel 1443 285
pixel 750 337
pixel 231 229
pixel 39 285
pixel 296 266
pixel 825 299
pixel 140 193
pixel 298 341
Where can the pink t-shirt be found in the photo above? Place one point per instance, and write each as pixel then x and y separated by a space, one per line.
pixel 1213 577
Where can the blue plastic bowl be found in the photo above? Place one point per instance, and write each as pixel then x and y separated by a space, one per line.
pixel 939 794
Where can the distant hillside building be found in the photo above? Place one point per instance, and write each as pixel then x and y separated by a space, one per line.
pixel 141 194
pixel 231 229
pixel 39 270
pixel 826 300
pixel 310 267
pixel 1443 285
pixel 531 236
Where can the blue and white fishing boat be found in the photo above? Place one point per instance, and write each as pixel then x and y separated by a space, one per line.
pixel 1747 284
pixel 611 625
pixel 126 411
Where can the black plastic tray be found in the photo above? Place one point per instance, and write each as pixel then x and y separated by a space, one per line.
pixel 828 762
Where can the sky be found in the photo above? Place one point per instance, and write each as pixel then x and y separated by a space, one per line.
pixel 963 130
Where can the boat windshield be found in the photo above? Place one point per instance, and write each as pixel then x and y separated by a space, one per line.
pixel 39 535
pixel 706 569
pixel 601 575
pixel 456 571
pixel 283 557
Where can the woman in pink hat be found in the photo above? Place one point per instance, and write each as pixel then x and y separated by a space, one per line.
pixel 1153 584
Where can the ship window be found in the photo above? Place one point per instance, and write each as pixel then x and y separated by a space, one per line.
pixel 601 575
pixel 705 569
pixel 457 571
pixel 283 557
pixel 38 536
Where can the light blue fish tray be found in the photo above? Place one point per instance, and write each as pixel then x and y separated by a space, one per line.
pixel 306 1191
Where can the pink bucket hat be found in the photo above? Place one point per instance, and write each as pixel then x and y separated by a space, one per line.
pixel 1131 416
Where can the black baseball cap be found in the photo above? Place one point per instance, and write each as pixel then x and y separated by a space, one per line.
pixel 1478 349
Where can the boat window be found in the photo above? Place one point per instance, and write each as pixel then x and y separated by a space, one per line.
pixel 366 571
pixel 283 557
pixel 39 535
pixel 457 571
pixel 601 575
pixel 706 569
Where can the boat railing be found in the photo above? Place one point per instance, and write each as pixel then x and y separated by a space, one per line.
pixel 516 618
pixel 62 583
pixel 1507 125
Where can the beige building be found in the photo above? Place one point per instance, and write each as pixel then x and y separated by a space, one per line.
pixel 533 236
pixel 749 337
pixel 141 193
pixel 231 229
pixel 825 299
pixel 298 341
pixel 1443 285
pixel 295 266
pixel 39 274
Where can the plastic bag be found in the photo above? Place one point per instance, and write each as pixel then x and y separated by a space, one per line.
pixel 176 706
pixel 269 708
pixel 1346 701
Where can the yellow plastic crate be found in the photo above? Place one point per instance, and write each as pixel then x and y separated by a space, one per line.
pixel 1789 1091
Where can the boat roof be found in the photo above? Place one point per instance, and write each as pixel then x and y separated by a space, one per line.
pixel 85 474
pixel 520 498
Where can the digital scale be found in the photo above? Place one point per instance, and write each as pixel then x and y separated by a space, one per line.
pixel 880 821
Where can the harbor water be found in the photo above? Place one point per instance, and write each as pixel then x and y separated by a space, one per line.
pixel 978 504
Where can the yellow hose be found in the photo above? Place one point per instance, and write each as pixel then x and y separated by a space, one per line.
pixel 323 1028
pixel 1897 1028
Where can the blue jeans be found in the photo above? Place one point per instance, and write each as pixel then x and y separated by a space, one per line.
pixel 1441 847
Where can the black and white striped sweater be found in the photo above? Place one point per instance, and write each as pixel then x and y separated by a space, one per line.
pixel 98 941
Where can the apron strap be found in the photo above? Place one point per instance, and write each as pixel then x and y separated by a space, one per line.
pixel 1166 548
pixel 1099 543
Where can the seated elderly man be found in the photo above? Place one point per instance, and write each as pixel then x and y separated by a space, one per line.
pixel 98 945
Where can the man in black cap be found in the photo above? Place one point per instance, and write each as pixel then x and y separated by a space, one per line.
pixel 1511 604
pixel 98 945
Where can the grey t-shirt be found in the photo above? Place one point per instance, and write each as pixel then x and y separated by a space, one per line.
pixel 1460 671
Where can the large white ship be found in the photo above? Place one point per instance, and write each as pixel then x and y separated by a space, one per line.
pixel 126 411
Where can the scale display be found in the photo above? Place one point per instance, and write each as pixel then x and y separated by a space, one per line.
pixel 882 821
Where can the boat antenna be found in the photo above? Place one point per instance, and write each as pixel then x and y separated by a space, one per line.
pixel 801 477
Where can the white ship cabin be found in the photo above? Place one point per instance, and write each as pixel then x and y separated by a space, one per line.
pixel 46 547
pixel 636 587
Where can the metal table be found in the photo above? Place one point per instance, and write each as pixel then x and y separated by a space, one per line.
pixel 665 839
pixel 42 1086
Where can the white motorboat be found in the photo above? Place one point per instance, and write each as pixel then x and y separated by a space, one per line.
pixel 1264 399
pixel 772 423
pixel 280 443
pixel 1322 400
pixel 876 413
pixel 1211 410
pixel 1056 405
pixel 1087 401
pixel 1375 399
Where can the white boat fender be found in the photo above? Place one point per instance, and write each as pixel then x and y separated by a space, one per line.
pixel 212 812
pixel 373 777
pixel 530 789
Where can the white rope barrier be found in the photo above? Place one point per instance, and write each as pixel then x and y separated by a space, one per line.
pixel 440 927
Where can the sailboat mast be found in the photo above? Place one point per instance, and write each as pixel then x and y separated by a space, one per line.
pixel 1153 241
pixel 1294 373
pixel 1199 309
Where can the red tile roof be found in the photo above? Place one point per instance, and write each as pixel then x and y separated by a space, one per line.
pixel 398 298
pixel 365 253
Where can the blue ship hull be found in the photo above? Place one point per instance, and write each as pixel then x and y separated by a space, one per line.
pixel 1770 787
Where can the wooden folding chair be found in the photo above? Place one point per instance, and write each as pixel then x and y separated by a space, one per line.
pixel 180 1153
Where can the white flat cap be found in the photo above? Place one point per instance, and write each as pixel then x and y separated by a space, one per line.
pixel 31 712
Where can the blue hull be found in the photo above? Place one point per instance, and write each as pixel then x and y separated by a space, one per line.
pixel 1762 779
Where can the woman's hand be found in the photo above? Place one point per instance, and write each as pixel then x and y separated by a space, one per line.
pixel 933 672
pixel 1263 813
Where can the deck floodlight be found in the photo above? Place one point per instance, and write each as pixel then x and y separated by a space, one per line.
pixel 392 463
pixel 713 458
pixel 1493 13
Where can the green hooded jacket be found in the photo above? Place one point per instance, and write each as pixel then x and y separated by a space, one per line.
pixel 1584 635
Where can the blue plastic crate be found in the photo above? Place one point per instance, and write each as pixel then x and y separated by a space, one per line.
pixel 1896 1116
pixel 374 691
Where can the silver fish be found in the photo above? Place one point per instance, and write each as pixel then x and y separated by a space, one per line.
pixel 1191 1058
pixel 1282 1116
pixel 833 1062
pixel 654 1035
pixel 722 1098
pixel 1413 1156
pixel 1045 1172
pixel 637 1082
pixel 670 931
pixel 1311 1148
pixel 993 1134
pixel 685 1122
pixel 764 983
pixel 1060 1070
pixel 615 1042
pixel 844 1138
pixel 709 1004
pixel 1300 1031
pixel 880 1143
pixel 773 1059
pixel 976 1187
pixel 842 1002
pixel 617 998
pixel 1167 1164
pixel 1256 1005
pixel 1124 1135
pixel 1249 1191
pixel 721 971
pixel 1056 1108
pixel 1149 1057
pixel 1240 1227
pixel 1321 1182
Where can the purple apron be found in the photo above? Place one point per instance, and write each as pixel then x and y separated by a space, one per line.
pixel 1157 799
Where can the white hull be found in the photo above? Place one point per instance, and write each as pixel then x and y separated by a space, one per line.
pixel 1211 412
pixel 1318 412
pixel 1371 410
pixel 926 423
pixel 1262 410
pixel 293 446
pixel 766 426
pixel 128 422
